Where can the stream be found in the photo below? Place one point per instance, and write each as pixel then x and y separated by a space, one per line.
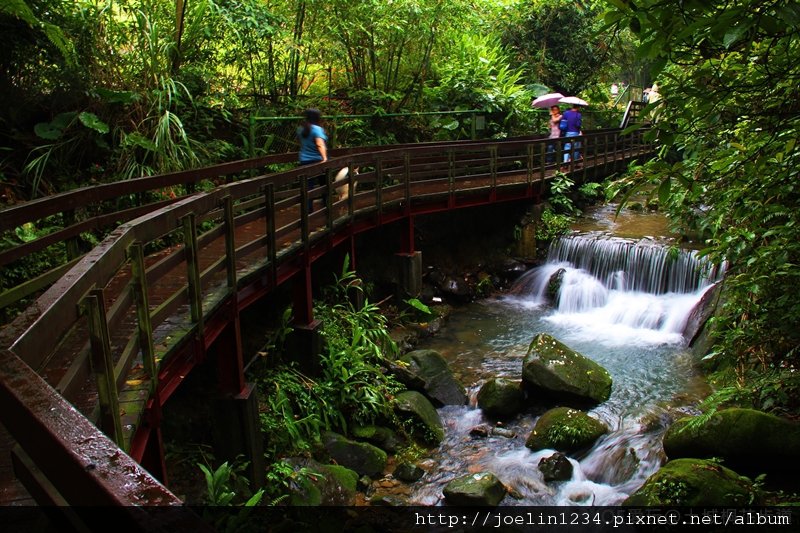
pixel 623 302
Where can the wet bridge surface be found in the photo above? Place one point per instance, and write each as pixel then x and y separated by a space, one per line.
pixel 86 368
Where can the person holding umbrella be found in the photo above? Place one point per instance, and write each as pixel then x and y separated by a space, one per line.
pixel 574 123
pixel 555 131
pixel 551 100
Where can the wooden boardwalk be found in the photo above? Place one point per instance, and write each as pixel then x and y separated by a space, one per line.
pixel 132 324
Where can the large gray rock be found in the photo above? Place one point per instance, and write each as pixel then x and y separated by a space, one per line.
pixel 437 381
pixel 481 489
pixel 501 398
pixel 362 457
pixel 695 482
pixel 416 407
pixel 565 429
pixel 752 442
pixel 699 332
pixel 556 372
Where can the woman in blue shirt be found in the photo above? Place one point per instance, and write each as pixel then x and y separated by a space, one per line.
pixel 313 147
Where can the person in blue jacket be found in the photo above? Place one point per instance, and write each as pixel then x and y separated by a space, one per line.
pixel 313 146
pixel 573 120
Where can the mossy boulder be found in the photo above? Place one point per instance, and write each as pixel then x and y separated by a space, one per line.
pixel 752 442
pixel 413 406
pixel 695 482
pixel 501 398
pixel 382 437
pixel 565 429
pixel 481 489
pixel 553 370
pixel 431 370
pixel 362 457
pixel 318 484
pixel 408 472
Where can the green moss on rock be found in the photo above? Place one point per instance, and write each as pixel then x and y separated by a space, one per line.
pixel 501 398
pixel 695 482
pixel 565 429
pixel 481 489
pixel 416 408
pixel 555 370
pixel 751 441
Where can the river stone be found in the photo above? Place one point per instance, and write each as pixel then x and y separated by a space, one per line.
pixel 554 284
pixel 752 442
pixel 501 398
pixel 699 332
pixel 556 467
pixel 382 437
pixel 553 370
pixel 421 411
pixel 321 484
pixel 565 429
pixel 481 489
pixel 408 472
pixel 439 384
pixel 362 457
pixel 695 482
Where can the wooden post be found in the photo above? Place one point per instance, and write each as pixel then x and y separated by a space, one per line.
pixel 138 272
pixel 230 242
pixel 529 173
pixel 379 185
pixel 304 212
pixel 271 231
pixel 407 178
pixel 329 192
pixel 193 270
pixel 73 249
pixel 410 268
pixel 103 366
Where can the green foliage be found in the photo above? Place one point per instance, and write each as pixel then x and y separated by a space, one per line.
pixel 478 75
pixel 728 127
pixel 353 387
pixel 558 44
pixel 561 194
pixel 552 225
pixel 420 311
pixel 357 342
pixel 227 482
pixel 227 486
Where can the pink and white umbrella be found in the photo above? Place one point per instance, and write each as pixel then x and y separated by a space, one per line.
pixel 547 100
pixel 573 100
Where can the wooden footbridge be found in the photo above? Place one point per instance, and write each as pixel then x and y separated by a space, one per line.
pixel 86 368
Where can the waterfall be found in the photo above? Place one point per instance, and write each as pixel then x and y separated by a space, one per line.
pixel 623 304
pixel 618 289
pixel 643 266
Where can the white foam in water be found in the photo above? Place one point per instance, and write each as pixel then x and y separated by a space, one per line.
pixel 606 301
pixel 630 318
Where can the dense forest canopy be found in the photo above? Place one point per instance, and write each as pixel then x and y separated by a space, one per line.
pixel 114 89
pixel 102 90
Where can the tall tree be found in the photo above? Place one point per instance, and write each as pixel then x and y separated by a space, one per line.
pixel 557 43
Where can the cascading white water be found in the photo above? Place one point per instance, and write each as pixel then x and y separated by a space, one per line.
pixel 621 303
pixel 621 290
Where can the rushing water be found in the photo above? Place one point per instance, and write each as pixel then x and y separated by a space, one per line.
pixel 621 303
